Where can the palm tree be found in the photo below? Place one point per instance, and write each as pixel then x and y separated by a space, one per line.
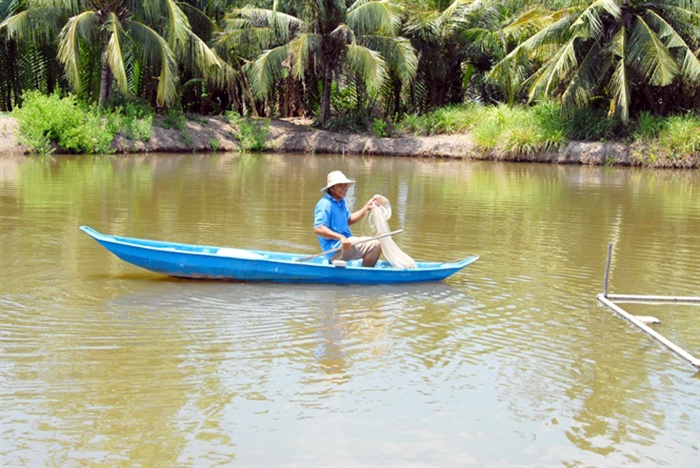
pixel 30 64
pixel 326 34
pixel 609 48
pixel 8 61
pixel 132 38
pixel 458 43
pixel 434 28
pixel 485 31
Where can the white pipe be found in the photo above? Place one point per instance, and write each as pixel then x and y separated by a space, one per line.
pixel 637 298
pixel 632 297
pixel 607 270
pixel 658 337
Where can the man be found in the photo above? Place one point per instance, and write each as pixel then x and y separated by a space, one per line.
pixel 332 221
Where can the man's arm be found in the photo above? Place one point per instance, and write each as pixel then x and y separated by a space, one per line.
pixel 328 233
pixel 359 214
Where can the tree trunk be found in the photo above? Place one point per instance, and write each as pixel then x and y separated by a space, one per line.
pixel 105 82
pixel 326 96
pixel 396 111
pixel 249 93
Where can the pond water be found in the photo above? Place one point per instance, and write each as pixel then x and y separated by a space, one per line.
pixel 510 362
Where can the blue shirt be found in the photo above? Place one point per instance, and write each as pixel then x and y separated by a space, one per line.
pixel 334 215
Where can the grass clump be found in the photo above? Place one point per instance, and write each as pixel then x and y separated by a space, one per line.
pixel 502 129
pixel 445 120
pixel 667 141
pixel 519 130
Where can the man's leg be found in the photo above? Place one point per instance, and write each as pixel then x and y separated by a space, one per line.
pixel 371 257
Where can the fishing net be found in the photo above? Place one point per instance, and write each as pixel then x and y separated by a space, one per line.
pixel 379 220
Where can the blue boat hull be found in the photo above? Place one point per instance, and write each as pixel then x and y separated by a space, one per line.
pixel 219 263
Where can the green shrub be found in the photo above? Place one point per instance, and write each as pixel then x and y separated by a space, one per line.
pixel 186 138
pixel 252 134
pixel 343 99
pixel 379 128
pixel 174 119
pixel 90 137
pixel 46 121
pixel 137 122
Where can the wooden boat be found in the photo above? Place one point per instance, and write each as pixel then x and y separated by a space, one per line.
pixel 222 263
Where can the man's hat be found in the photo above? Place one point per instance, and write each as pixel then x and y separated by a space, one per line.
pixel 335 178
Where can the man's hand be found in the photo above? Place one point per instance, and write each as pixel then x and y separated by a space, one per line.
pixel 370 204
pixel 345 243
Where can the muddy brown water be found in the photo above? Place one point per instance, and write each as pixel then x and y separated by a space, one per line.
pixel 511 362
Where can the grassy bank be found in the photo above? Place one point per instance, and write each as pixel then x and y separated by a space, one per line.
pixel 50 123
pixel 656 141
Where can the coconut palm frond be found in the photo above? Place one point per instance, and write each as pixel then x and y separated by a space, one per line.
pixel 537 17
pixel 690 64
pixel 684 12
pixel 283 29
pixel 455 8
pixel 342 34
pixel 258 29
pixel 405 59
pixel 555 33
pixel 156 51
pixel 79 27
pixel 267 69
pixel 177 28
pixel 222 76
pixel 650 56
pixel 198 55
pixel 397 52
pixel 301 50
pixel 621 91
pixel 589 22
pixel 200 17
pixel 190 49
pixel 558 67
pixel 504 70
pixel 585 80
pixel 17 25
pixel 620 82
pixel 36 24
pixel 482 40
pixel 210 65
pixel 368 64
pixel 281 22
pixel 537 45
pixel 423 28
pixel 256 39
pixel 379 17
pixel 113 52
pixel 8 8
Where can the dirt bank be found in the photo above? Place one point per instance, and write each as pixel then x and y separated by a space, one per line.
pixel 205 134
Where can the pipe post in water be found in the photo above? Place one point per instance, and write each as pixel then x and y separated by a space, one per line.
pixel 607 270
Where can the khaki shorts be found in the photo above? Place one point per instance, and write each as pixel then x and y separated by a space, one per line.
pixel 357 251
